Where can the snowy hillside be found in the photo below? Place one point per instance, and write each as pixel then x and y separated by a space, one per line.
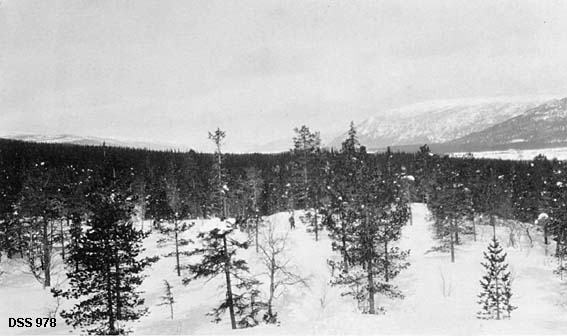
pixel 440 296
pixel 540 127
pixel 437 121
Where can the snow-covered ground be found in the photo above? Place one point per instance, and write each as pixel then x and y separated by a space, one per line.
pixel 440 296
pixel 559 153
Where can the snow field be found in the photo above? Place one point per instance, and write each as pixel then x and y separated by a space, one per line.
pixel 441 297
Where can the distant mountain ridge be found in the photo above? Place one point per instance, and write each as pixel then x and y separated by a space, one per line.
pixel 437 122
pixel 91 141
pixel 540 127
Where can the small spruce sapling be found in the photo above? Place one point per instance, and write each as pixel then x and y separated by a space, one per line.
pixel 167 297
pixel 496 285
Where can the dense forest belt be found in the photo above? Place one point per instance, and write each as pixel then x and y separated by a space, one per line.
pixel 527 185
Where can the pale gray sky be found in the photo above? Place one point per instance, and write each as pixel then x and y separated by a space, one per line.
pixel 170 71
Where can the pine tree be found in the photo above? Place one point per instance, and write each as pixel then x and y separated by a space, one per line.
pixel 74 207
pixel 344 185
pixel 377 212
pixel 109 270
pixel 10 230
pixel 9 233
pixel 218 249
pixel 218 178
pixel 496 285
pixel 255 182
pixel 167 298
pixel 40 201
pixel 174 203
pixel 307 177
pixel 450 204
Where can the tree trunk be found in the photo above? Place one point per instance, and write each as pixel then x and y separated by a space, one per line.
pixel 118 302
pixel 474 227
pixel 409 205
pixel 452 242
pixel 558 244
pixel 315 225
pixel 545 241
pixel 143 214
pixel 7 244
pixel 272 288
pixel 344 237
pixel 229 301
pixel 46 255
pixel 370 269
pixel 51 238
pixel 305 185
pixel 386 262
pixel 456 226
pixel 20 243
pixel 110 303
pixel 177 250
pixel 410 215
pixel 493 223
pixel 62 238
pixel 76 228
pixel 497 297
pixel 371 309
pixel 256 224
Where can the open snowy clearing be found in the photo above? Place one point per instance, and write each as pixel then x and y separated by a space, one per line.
pixel 559 153
pixel 440 296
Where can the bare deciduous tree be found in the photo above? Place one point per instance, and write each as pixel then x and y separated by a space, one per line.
pixel 273 253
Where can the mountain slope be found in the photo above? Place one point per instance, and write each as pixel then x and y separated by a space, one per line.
pixel 437 122
pixel 540 127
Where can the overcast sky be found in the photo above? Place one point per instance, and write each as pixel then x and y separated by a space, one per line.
pixel 170 71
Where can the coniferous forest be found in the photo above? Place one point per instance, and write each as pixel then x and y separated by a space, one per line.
pixel 83 205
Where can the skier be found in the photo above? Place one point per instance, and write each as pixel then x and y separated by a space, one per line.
pixel 291 222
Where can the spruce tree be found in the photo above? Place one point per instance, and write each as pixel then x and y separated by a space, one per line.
pixel 109 268
pixel 167 298
pixel 496 285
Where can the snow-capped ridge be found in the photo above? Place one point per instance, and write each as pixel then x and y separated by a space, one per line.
pixel 542 126
pixel 438 121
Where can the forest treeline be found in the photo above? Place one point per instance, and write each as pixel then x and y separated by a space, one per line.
pixel 262 184
pixel 512 189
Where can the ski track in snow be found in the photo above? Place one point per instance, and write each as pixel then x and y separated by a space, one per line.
pixel 428 308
